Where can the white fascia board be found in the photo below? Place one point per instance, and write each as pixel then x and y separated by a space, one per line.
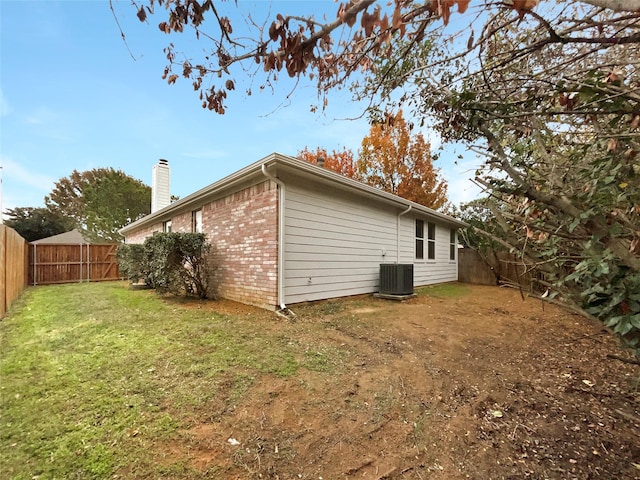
pixel 308 170
pixel 204 194
pixel 296 166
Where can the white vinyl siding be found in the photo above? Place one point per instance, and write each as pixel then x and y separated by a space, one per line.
pixel 334 244
pixel 440 269
pixel 425 271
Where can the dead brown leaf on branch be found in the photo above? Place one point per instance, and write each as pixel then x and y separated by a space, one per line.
pixel 330 52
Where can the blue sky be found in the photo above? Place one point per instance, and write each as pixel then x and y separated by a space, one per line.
pixel 72 97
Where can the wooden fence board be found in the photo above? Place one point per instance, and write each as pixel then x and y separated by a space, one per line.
pixel 13 267
pixel 506 269
pixel 473 269
pixel 3 270
pixel 57 263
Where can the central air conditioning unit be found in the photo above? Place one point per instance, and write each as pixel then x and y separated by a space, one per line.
pixel 396 279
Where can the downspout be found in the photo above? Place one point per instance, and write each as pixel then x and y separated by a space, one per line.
pixel 281 198
pixel 398 232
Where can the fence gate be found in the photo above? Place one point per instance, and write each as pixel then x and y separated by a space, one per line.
pixel 63 263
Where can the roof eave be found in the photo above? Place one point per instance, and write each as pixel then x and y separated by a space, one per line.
pixel 227 182
pixel 295 165
pixel 334 177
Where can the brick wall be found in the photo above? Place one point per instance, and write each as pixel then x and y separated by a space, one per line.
pixel 138 236
pixel 181 223
pixel 243 230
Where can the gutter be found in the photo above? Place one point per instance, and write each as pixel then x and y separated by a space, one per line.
pixel 284 311
pixel 297 166
pixel 398 232
pixel 364 189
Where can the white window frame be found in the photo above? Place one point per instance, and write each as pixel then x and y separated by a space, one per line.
pixel 431 241
pixel 419 244
pixel 453 244
pixel 196 221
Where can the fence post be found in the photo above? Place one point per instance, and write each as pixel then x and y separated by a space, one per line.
pixel 35 262
pixel 3 304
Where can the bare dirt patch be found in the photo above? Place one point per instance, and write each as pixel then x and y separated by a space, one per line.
pixel 479 384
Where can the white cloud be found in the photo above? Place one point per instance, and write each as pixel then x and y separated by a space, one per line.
pixel 462 190
pixel 433 138
pixel 458 167
pixel 21 187
pixel 17 175
pixel 47 123
pixel 41 116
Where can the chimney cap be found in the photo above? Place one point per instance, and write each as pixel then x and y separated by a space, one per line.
pixel 162 161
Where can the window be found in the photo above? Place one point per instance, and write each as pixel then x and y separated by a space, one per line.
pixel 431 241
pixel 419 239
pixel 166 226
pixel 196 221
pixel 453 245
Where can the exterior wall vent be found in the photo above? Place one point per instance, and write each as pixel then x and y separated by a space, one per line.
pixel 160 185
pixel 396 279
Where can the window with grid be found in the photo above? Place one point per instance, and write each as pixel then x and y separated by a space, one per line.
pixel 453 245
pixel 419 239
pixel 431 241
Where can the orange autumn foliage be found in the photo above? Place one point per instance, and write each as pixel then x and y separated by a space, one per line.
pixel 391 159
pixel 394 160
pixel 340 162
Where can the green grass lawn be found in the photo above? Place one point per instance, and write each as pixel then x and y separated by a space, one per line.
pixel 445 290
pixel 94 376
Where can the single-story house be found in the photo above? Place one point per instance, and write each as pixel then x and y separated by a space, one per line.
pixel 286 231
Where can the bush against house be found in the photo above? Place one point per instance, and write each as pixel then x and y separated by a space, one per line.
pixel 131 262
pixel 170 263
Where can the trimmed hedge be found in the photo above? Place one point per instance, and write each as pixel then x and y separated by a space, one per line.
pixel 130 262
pixel 169 262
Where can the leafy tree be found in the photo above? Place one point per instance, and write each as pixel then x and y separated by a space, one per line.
pixel 395 161
pixel 36 223
pixel 391 159
pixel 329 51
pixel 100 201
pixel 114 200
pixel 554 104
pixel 340 162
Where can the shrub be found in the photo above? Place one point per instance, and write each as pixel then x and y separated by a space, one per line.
pixel 170 262
pixel 130 262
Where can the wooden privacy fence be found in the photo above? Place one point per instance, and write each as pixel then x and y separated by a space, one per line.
pixel 62 263
pixel 13 267
pixel 472 268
